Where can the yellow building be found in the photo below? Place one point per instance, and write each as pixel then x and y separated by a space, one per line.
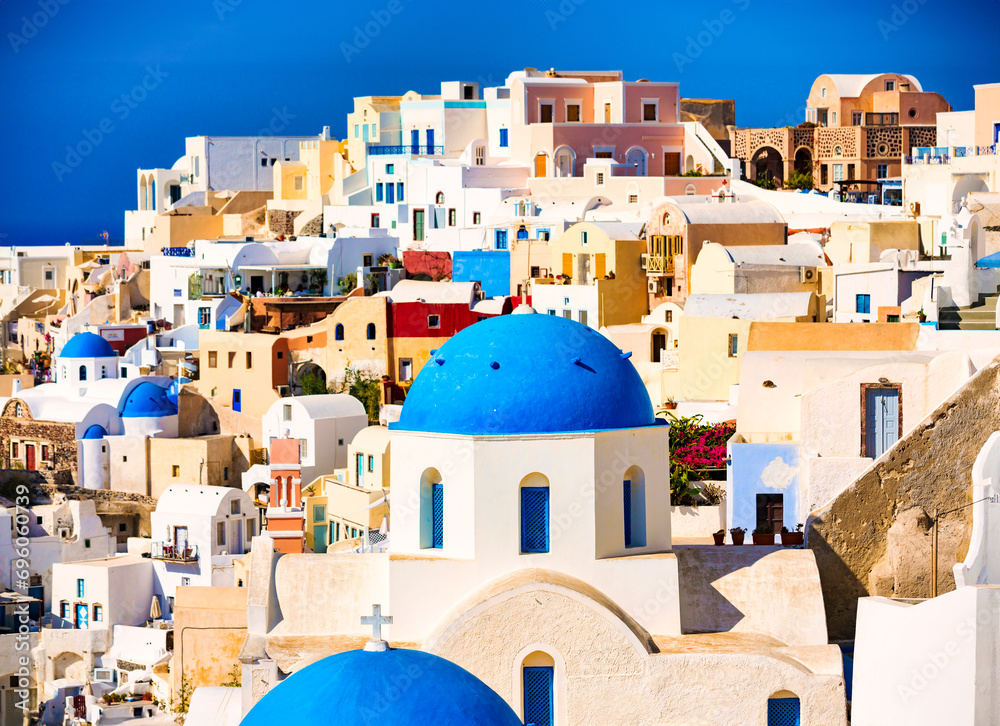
pixel 357 336
pixel 598 275
pixel 754 269
pixel 861 241
pixel 375 119
pixel 368 457
pixel 715 330
pixel 210 625
pixel 244 371
pixel 321 162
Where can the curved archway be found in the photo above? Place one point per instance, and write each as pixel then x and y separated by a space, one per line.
pixel 439 198
pixel 83 372
pixel 565 161
pixel 310 379
pixel 689 163
pixel 541 164
pixel 690 190
pixel 803 160
pixel 768 165
pixel 143 193
pixel 338 332
pixel 370 331
pixel 535 514
pixel 634 507
pixel 68 665
pixel 539 684
pixel 659 343
pixel 637 157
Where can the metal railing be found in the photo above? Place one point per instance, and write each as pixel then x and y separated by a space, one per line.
pixel 944 154
pixel 412 149
pixel 171 552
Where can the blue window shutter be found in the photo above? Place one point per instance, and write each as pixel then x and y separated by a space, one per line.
pixel 534 519
pixel 537 682
pixel 430 141
pixel 378 192
pixel 783 712
pixel 503 138
pixel 399 192
pixel 390 193
pixel 415 141
pixel 364 133
pixel 437 515
pixel 627 495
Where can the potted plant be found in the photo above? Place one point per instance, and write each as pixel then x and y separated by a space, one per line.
pixel 737 533
pixel 719 537
pixel 921 315
pixel 670 404
pixel 763 535
pixel 792 538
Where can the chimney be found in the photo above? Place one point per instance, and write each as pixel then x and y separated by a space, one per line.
pixel 15 387
pixel 326 133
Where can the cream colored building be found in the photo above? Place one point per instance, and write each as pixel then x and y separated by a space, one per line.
pixel 758 269
pixel 247 372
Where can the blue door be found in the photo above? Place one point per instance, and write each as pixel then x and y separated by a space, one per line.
pixel 364 133
pixel 881 420
pixel 437 515
pixel 430 141
pixel 415 141
pixel 361 470
pixel 501 239
pixel 81 616
pixel 319 538
pixel 783 712
pixel 996 133
pixel 538 695
pixel 237 400
pixel 390 193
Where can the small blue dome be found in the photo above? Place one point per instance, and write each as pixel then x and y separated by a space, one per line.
pixel 398 687
pixel 148 400
pixel 526 374
pixel 87 345
pixel 174 389
pixel 95 431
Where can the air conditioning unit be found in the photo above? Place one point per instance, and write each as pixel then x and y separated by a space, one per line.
pixel 807 274
pixel 914 209
pixel 644 261
pixel 652 285
pixel 284 391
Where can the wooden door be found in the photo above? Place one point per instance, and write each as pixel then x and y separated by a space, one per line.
pixel 29 457
pixel 672 163
pixel 540 165
pixel 567 264
pixel 881 420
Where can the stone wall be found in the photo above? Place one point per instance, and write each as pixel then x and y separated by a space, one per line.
pixel 874 538
pixel 282 221
pixel 313 227
pixel 58 437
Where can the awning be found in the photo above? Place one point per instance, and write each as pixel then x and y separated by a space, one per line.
pixel 990 262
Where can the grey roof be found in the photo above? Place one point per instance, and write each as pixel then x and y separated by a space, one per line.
pixel 754 212
pixel 760 306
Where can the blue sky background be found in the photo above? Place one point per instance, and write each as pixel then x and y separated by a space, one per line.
pixel 231 67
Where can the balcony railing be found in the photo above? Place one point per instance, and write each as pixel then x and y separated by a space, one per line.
pixel 172 552
pixel 412 149
pixel 659 264
pixel 945 154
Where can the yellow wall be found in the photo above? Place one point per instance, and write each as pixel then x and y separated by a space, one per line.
pixel 416 349
pixel 285 174
pixel 210 625
pixel 833 336
pixel 706 371
pixel 355 349
pixel 346 505
pixel 376 479
pixel 865 241
pixel 176 230
pixel 257 384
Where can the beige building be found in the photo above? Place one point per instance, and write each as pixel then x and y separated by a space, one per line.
pixel 859 240
pixel 752 269
pixel 149 465
pixel 245 371
pixel 210 624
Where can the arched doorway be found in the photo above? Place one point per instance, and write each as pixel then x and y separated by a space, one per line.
pixel 143 194
pixel 767 166
pixel 803 161
pixel 637 157
pixel 565 162
pixel 310 380
pixel 68 665
pixel 689 164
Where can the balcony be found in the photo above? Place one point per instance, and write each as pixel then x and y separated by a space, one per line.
pixel 945 154
pixel 881 119
pixel 171 552
pixel 658 264
pixel 405 149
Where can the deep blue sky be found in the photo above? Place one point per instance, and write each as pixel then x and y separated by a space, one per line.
pixel 225 66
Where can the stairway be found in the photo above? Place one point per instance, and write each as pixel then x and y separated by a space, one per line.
pixel 980 315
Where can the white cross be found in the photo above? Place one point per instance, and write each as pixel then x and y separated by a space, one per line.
pixel 376 620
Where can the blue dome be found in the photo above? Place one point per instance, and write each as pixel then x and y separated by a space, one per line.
pixel 87 345
pixel 95 431
pixel 526 374
pixel 148 400
pixel 398 687
pixel 174 389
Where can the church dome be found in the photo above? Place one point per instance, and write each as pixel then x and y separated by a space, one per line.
pixel 148 400
pixel 526 374
pixel 87 345
pixel 398 687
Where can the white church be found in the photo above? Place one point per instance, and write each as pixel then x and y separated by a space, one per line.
pixel 531 545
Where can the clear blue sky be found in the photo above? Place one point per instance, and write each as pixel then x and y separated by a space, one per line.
pixel 224 67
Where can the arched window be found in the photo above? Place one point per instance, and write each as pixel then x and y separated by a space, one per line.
pixel 534 514
pixel 838 151
pixel 431 510
pixel 371 331
pixel 338 332
pixel 690 190
pixel 17 410
pixel 537 680
pixel 634 507
pixel 439 198
pixel 783 709
pixel 83 373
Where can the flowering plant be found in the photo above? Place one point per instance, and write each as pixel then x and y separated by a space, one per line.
pixel 696 448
